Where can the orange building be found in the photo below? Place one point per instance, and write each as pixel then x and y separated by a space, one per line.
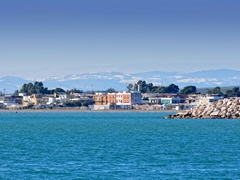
pixel 100 99
pixel 111 98
pixel 126 98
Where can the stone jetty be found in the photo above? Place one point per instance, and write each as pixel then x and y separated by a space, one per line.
pixel 228 108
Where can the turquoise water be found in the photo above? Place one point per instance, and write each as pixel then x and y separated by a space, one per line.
pixel 106 145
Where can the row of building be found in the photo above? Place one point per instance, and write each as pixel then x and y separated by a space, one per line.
pixel 123 100
pixel 102 100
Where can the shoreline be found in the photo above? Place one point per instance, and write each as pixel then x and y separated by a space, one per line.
pixel 90 111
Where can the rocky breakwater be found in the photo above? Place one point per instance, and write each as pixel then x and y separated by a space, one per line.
pixel 228 108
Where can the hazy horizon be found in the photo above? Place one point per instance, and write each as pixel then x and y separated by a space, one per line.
pixel 42 76
pixel 117 80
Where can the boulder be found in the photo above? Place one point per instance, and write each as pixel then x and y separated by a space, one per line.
pixel 226 108
pixel 221 113
pixel 215 113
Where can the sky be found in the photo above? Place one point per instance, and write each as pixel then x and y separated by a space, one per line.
pixel 40 38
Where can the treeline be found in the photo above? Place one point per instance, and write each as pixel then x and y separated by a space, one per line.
pixel 144 87
pixel 234 92
pixel 38 88
pixel 172 88
pixel 75 104
pixel 150 88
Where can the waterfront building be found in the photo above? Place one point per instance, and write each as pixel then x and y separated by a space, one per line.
pixel 154 100
pixel 124 100
pixel 11 101
pixel 111 98
pixel 209 98
pixel 193 98
pixel 100 101
pixel 171 100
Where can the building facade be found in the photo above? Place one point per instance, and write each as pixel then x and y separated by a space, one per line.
pixel 124 99
pixel 172 100
pixel 100 99
pixel 111 98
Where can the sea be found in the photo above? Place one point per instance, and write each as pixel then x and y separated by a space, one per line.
pixel 116 145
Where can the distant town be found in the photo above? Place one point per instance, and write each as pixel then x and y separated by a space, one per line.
pixel 138 96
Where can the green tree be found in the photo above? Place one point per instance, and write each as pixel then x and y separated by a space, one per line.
pixel 142 86
pixel 46 91
pixel 73 104
pixel 28 89
pixel 34 88
pixel 160 89
pixel 172 88
pixel 189 90
pixel 38 84
pixel 234 92
pixel 38 87
pixel 150 88
pixel 24 89
pixel 216 90
pixel 16 93
pixel 31 89
pixel 59 90
pixel 129 87
pixel 235 89
pixel 74 91
pixel 85 104
pixel 110 90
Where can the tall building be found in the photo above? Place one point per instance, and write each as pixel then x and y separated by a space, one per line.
pixel 125 99
pixel 100 99
pixel 111 98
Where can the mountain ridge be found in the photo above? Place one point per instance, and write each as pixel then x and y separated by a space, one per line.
pixel 103 80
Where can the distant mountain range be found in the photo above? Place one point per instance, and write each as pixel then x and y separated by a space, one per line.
pixel 117 80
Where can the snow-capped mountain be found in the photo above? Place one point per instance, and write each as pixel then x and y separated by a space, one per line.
pixel 117 80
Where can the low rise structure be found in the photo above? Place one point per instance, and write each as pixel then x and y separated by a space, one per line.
pixel 125 100
pixel 192 98
pixel 61 97
pixel 11 101
pixel 100 101
pixel 209 98
pixel 154 100
pixel 111 98
pixel 171 100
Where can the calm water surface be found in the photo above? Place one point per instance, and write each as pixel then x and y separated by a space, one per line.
pixel 106 145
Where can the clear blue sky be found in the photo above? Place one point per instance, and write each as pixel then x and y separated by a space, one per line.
pixel 58 37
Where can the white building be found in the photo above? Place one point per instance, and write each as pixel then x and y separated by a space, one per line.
pixel 209 99
pixel 172 100
pixel 61 97
pixel 127 99
pixel 10 101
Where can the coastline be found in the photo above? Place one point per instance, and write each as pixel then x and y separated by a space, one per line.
pixel 90 111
